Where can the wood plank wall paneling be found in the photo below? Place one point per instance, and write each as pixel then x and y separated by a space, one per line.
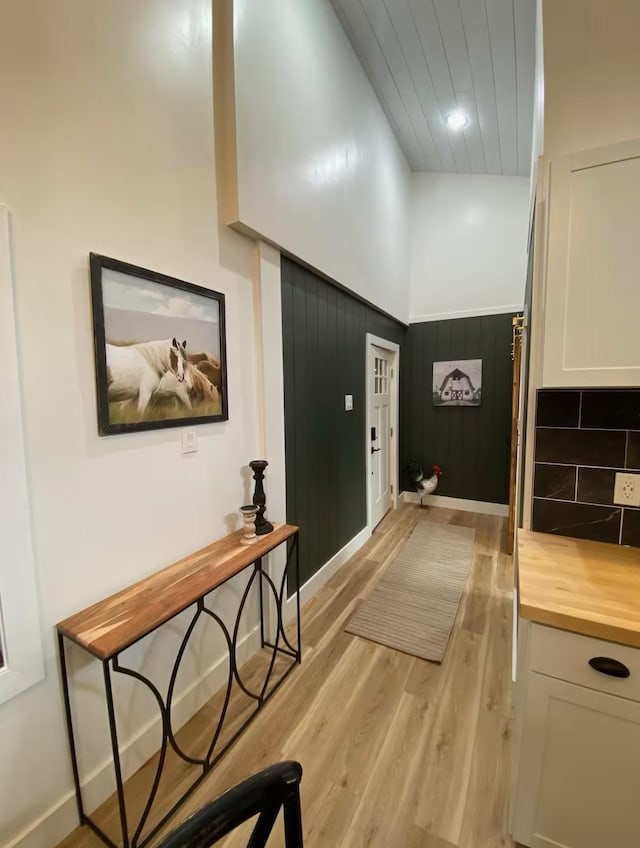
pixel 324 334
pixel 470 444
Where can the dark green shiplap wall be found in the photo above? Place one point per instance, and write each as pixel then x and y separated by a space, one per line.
pixel 470 444
pixel 324 333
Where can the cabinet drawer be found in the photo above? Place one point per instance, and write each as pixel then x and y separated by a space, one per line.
pixel 566 656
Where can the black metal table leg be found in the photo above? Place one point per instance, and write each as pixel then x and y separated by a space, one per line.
pixel 297 547
pixel 113 731
pixel 259 568
pixel 69 721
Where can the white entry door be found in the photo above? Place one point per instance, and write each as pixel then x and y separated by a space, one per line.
pixel 379 376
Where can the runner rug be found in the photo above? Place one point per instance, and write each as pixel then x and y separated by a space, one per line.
pixel 413 606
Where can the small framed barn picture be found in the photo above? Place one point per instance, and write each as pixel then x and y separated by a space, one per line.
pixel 159 349
pixel 457 383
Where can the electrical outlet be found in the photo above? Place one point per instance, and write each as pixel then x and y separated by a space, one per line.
pixel 348 403
pixel 627 489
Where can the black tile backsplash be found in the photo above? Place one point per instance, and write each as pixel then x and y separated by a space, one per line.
pixel 595 485
pixel 621 411
pixel 631 527
pixel 633 451
pixel 555 481
pixel 582 439
pixel 581 447
pixel 583 521
pixel 558 409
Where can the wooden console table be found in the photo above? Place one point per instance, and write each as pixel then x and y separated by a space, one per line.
pixel 110 626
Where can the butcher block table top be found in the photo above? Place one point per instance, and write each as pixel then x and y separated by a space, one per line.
pixel 109 626
pixel 591 588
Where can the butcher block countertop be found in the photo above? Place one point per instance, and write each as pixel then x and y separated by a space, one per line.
pixel 591 588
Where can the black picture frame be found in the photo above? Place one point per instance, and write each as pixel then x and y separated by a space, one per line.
pixel 109 409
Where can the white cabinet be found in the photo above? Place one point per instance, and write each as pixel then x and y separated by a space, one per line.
pixel 578 770
pixel 590 279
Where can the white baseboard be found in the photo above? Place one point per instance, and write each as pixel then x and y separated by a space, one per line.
pixel 483 507
pixel 54 825
pixel 324 574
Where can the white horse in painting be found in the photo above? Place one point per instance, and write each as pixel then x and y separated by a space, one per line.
pixel 135 371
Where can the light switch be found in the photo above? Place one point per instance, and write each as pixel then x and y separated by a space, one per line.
pixel 189 441
pixel 348 403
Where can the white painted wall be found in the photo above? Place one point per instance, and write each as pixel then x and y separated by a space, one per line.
pixel 468 245
pixel 107 145
pixel 591 70
pixel 320 172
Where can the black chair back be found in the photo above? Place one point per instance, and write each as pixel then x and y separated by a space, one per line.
pixel 264 794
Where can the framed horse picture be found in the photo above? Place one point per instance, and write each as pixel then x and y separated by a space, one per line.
pixel 159 349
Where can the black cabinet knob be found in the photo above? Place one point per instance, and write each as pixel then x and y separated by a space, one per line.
pixel 607 665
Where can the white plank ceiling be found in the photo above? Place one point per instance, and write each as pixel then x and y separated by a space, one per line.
pixel 427 58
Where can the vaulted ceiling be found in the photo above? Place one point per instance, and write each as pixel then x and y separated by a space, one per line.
pixel 428 58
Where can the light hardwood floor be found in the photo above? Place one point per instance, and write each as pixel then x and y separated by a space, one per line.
pixel 397 752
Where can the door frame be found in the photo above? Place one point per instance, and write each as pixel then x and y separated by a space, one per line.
pixel 517 343
pixel 394 403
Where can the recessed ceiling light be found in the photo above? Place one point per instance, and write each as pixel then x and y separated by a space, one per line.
pixel 457 120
